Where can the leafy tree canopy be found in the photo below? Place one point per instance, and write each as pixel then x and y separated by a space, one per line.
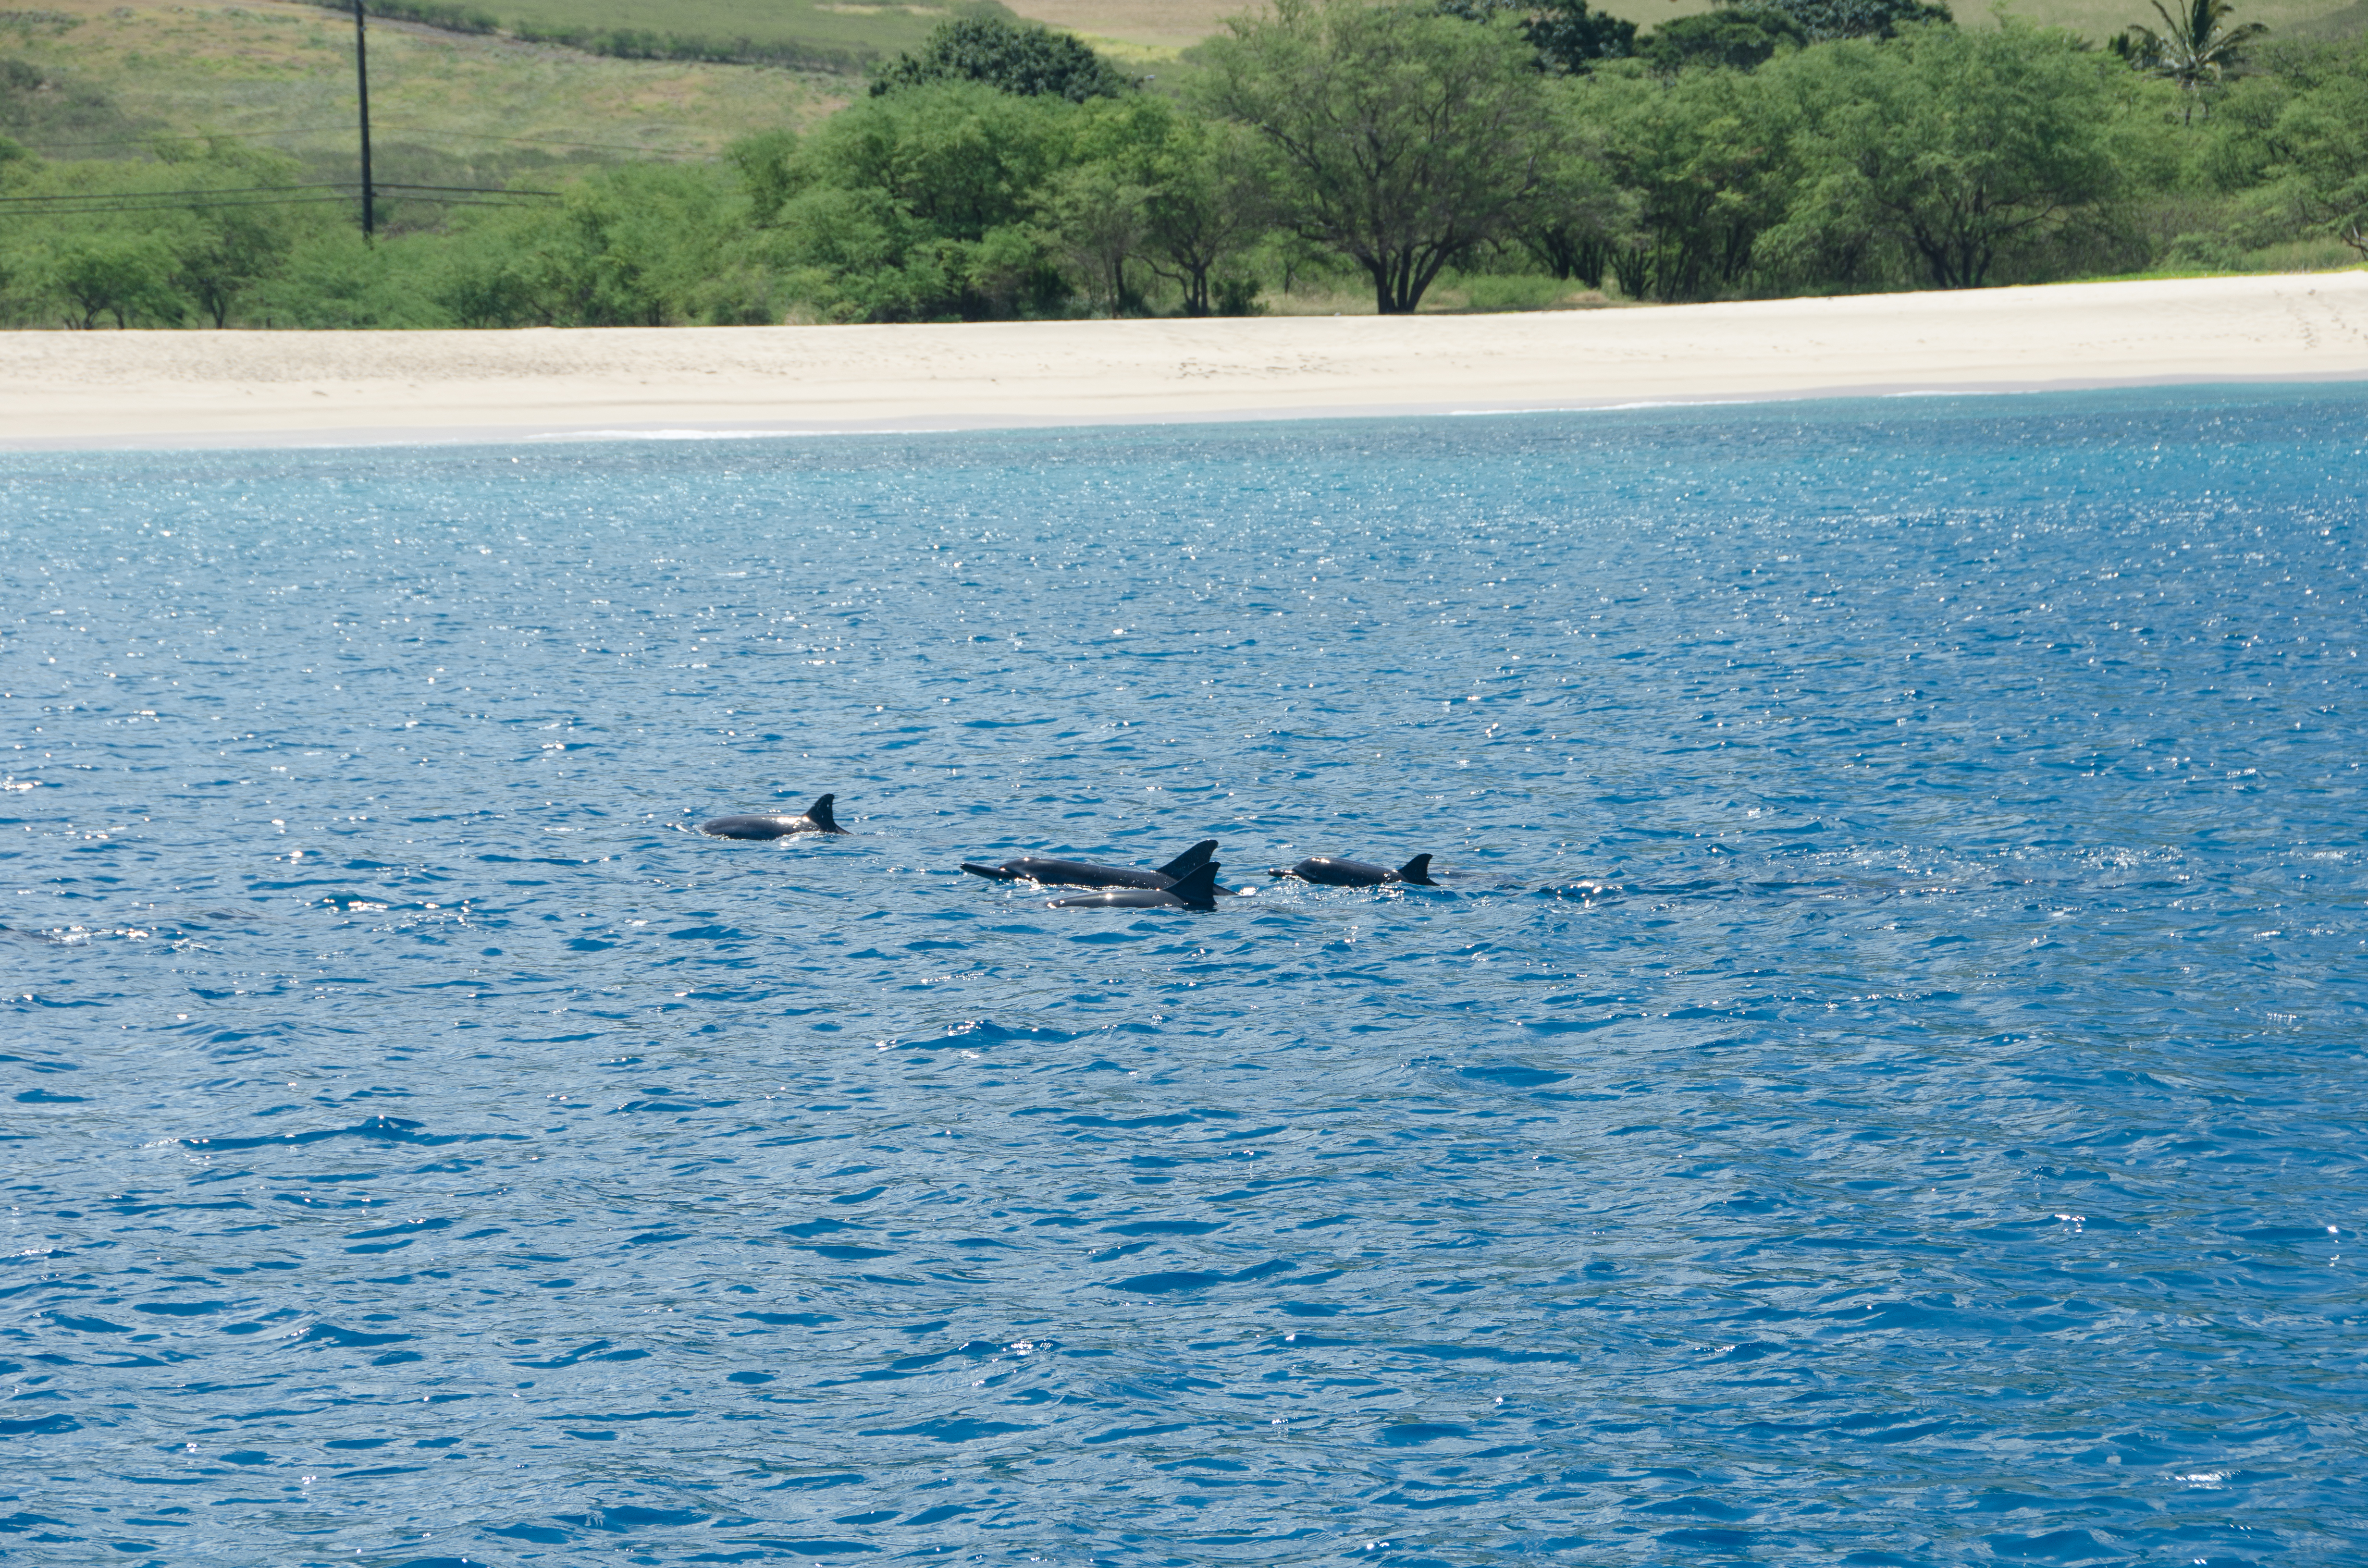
pixel 1567 35
pixel 1024 58
pixel 1824 20
pixel 1405 140
pixel 1961 149
pixel 1736 38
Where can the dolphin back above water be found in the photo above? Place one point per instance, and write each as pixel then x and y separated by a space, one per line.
pixel 1334 873
pixel 1087 874
pixel 1196 889
pixel 816 819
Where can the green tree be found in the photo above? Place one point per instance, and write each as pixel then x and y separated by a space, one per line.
pixel 1580 218
pixel 334 281
pixel 1406 140
pixel 1098 219
pixel 1026 58
pixel 125 276
pixel 231 244
pixel 1566 34
pixel 2197 47
pixel 1736 38
pixel 767 163
pixel 189 232
pixel 1188 195
pixel 957 157
pixel 82 258
pixel 1568 37
pixel 1822 21
pixel 1705 161
pixel 1212 201
pixel 923 205
pixel 1964 149
pixel 637 245
pixel 227 252
pixel 2318 149
pixel 481 285
pixel 1094 205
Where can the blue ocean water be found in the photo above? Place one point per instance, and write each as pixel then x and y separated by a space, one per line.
pixel 1882 1085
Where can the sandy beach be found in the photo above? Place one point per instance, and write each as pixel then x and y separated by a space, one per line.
pixel 231 389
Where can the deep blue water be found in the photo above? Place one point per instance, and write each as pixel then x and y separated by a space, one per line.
pixel 1884 1086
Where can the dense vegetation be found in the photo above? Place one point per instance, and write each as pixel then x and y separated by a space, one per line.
pixel 1514 153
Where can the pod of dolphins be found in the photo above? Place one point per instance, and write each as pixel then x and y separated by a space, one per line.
pixel 1189 881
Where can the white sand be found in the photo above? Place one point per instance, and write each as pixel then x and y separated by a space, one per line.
pixel 178 389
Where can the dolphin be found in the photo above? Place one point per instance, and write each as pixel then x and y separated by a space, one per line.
pixel 816 819
pixel 1334 874
pixel 1085 874
pixel 1196 889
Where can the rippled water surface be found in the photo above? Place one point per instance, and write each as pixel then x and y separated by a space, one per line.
pixel 1883 1084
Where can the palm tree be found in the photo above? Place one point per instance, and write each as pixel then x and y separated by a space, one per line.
pixel 2195 49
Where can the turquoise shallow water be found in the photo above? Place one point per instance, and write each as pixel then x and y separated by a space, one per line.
pixel 1882 1086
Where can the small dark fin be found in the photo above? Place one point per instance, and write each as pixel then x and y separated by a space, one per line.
pixel 819 814
pixel 1190 859
pixel 992 873
pixel 1198 887
pixel 1417 871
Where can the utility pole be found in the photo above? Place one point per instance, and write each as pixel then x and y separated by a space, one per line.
pixel 361 78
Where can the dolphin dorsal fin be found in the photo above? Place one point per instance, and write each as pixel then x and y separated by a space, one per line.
pixel 819 814
pixel 1417 871
pixel 1190 859
pixel 1198 887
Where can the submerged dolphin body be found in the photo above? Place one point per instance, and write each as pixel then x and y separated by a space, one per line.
pixel 816 819
pixel 1196 889
pixel 1325 870
pixel 1085 874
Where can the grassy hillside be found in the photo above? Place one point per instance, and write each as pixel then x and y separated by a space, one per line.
pixel 1134 30
pixel 850 35
pixel 2102 18
pixel 1153 30
pixel 2349 22
pixel 447 107
pixel 466 109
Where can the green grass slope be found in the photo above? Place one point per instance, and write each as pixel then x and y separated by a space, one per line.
pixel 851 33
pixel 91 78
pixel 2101 19
pixel 846 38
pixel 110 73
pixel 1162 28
pixel 2349 22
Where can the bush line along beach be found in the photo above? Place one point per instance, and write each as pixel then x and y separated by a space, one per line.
pixel 1309 158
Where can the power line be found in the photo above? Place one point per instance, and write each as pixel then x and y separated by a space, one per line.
pixel 202 201
pixel 182 198
pixel 198 206
pixel 405 130
pixel 209 190
pixel 292 201
pixel 544 141
pixel 194 136
pixel 472 190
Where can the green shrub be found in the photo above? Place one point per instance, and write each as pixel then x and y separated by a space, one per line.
pixel 1010 56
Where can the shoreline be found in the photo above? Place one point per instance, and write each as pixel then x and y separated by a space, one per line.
pixel 174 390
